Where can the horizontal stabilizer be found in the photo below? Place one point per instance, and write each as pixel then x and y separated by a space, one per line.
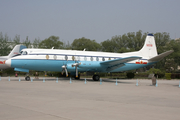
pixel 160 56
pixel 120 60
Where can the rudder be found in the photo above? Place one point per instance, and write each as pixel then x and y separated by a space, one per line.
pixel 149 49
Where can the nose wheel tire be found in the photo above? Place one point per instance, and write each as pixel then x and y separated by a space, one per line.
pixel 27 78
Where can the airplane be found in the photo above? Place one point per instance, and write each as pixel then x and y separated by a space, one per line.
pixel 16 51
pixel 75 61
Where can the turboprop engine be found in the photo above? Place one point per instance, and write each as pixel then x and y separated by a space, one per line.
pixel 70 67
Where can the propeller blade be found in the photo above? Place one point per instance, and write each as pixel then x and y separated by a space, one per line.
pixel 76 72
pixel 62 72
pixel 66 72
pixel 65 69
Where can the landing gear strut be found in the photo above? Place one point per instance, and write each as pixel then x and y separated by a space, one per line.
pixel 77 77
pixel 27 78
pixel 96 77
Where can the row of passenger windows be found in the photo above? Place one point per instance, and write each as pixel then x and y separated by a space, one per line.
pixel 77 57
pixel 87 58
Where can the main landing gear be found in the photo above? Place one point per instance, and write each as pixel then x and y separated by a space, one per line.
pixel 27 78
pixel 96 77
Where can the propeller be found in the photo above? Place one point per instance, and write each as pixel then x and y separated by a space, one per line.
pixel 76 65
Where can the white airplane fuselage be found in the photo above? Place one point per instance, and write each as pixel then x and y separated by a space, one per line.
pixel 53 60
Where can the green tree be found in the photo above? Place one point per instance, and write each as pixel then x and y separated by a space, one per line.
pixel 27 42
pixel 36 43
pixel 52 41
pixel 126 43
pixel 67 45
pixel 5 45
pixel 107 46
pixel 175 56
pixel 16 40
pixel 162 41
pixel 84 43
pixel 135 40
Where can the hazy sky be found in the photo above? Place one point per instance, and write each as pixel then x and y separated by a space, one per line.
pixel 93 19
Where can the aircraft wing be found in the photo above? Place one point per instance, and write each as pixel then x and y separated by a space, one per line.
pixel 120 60
pixel 160 56
pixel 114 64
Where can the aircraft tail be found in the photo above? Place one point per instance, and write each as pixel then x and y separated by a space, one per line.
pixel 16 50
pixel 149 49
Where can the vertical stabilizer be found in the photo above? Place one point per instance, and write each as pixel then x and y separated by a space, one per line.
pixel 149 49
pixel 16 50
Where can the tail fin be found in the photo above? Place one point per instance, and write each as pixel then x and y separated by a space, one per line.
pixel 149 49
pixel 16 50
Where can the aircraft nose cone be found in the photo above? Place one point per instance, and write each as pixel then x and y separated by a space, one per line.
pixel 8 62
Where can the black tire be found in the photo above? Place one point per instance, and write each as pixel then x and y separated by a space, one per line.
pixel 130 75
pixel 27 78
pixel 96 77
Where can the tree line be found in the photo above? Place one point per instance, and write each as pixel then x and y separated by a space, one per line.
pixel 132 41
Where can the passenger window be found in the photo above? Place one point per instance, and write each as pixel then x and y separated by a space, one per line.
pixel 91 58
pixel 103 59
pixel 73 58
pixel 66 57
pixel 85 58
pixel 78 58
pixel 97 59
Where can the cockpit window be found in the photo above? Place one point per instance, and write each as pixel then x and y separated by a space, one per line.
pixel 21 52
pixel 24 53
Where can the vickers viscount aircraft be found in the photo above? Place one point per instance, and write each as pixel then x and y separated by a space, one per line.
pixel 16 51
pixel 74 61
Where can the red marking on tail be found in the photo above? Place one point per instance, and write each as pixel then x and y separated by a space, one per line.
pixel 2 62
pixel 149 45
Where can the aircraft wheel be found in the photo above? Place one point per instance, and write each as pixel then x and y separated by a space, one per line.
pixel 96 77
pixel 27 78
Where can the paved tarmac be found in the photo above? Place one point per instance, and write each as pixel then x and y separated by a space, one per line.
pixel 52 100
